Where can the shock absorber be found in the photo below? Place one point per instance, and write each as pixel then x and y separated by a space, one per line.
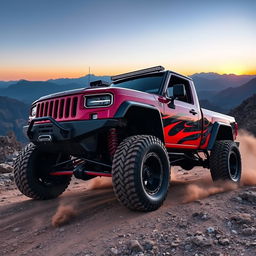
pixel 112 141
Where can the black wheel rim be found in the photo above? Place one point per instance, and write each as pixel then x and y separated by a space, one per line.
pixel 152 173
pixel 234 168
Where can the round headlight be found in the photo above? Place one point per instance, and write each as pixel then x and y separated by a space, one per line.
pixel 33 111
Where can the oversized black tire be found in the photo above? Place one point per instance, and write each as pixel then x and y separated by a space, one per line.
pixel 225 161
pixel 141 173
pixel 31 174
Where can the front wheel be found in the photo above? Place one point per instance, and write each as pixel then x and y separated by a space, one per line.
pixel 141 173
pixel 31 173
pixel 225 161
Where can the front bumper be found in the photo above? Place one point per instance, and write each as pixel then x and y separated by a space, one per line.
pixel 52 131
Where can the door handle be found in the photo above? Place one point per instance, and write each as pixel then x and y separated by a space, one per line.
pixel 193 112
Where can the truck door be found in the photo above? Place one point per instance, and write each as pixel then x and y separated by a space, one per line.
pixel 182 119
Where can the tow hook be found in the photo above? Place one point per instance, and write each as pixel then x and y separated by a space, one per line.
pixel 45 138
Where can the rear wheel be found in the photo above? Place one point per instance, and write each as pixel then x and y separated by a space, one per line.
pixel 225 161
pixel 31 173
pixel 141 173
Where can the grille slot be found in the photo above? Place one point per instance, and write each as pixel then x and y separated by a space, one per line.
pixel 67 107
pixel 74 107
pixel 58 108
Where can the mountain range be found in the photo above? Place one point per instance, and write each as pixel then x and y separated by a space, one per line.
pixel 232 97
pixel 208 85
pixel 216 92
pixel 82 81
pixel 216 82
pixel 29 91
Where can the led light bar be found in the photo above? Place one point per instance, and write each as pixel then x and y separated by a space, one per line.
pixel 99 83
pixel 138 72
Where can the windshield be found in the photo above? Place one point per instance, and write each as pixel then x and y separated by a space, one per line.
pixel 150 83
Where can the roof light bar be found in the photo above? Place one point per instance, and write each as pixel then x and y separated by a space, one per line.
pixel 138 72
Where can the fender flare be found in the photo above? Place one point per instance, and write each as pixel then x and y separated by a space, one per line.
pixel 215 131
pixel 127 105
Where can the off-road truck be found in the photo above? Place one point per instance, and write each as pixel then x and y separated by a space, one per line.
pixel 132 130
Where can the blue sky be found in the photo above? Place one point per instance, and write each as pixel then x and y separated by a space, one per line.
pixel 42 39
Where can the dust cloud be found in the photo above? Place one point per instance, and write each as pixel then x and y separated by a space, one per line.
pixel 205 187
pixel 99 183
pixel 68 209
pixel 248 153
pixel 64 214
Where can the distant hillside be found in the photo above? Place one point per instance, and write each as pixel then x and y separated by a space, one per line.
pixel 82 81
pixel 13 116
pixel 232 97
pixel 207 85
pixel 208 105
pixel 215 82
pixel 245 114
pixel 4 84
pixel 29 91
pixel 206 95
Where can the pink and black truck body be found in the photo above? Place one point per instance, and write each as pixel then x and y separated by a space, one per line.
pixel 182 125
pixel 89 132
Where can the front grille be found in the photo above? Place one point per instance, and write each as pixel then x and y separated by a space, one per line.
pixel 58 108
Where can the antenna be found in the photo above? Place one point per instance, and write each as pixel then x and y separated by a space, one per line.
pixel 89 77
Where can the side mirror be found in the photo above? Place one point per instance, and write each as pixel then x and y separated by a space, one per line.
pixel 179 91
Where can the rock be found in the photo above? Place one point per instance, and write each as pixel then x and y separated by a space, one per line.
pixel 224 241
pixel 183 224
pixel 16 229
pixel 6 179
pixel 252 244
pixel 249 196
pixel 136 246
pixel 201 241
pixel 249 231
pixel 188 247
pixel 210 230
pixel 175 244
pixel 238 199
pixel 201 215
pixel 199 233
pixel 242 218
pixel 5 168
pixel 9 147
pixel 148 244
pixel 113 251
pixel 217 254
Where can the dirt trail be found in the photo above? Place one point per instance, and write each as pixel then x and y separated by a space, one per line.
pixel 94 218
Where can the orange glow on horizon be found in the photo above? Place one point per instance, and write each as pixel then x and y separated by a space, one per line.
pixel 34 74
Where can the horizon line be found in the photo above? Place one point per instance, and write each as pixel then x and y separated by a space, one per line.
pixel 45 80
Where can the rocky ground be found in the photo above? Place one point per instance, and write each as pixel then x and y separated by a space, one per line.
pixel 189 223
pixel 198 218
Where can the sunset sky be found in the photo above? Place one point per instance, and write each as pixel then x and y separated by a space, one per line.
pixel 43 39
